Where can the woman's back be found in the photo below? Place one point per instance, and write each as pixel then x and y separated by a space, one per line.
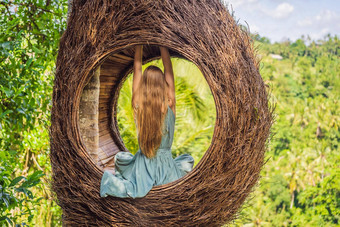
pixel 169 129
pixel 137 174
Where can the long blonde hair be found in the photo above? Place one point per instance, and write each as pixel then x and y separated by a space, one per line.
pixel 152 93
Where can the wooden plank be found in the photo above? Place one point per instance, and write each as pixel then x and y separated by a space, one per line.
pixel 104 124
pixel 108 84
pixel 105 139
pixel 107 81
pixel 115 60
pixel 103 120
pixel 104 108
pixel 110 71
pixel 105 143
pixel 105 90
pixel 122 56
pixel 104 99
pixel 104 114
pixel 110 148
pixel 105 96
pixel 103 104
pixel 110 77
pixel 104 128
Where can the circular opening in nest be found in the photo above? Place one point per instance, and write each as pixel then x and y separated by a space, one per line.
pixel 195 110
pixel 106 125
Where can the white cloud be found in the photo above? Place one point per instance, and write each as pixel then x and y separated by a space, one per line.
pixel 325 17
pixel 288 18
pixel 283 10
pixel 305 22
pixel 319 25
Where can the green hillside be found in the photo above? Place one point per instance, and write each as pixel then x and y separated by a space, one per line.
pixel 300 184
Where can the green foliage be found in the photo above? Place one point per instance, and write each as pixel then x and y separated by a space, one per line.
pixel 300 182
pixel 29 35
pixel 319 205
pixel 16 194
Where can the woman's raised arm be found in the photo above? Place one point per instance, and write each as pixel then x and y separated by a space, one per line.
pixel 137 69
pixel 169 76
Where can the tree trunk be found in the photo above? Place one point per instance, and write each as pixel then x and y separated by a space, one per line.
pixel 88 115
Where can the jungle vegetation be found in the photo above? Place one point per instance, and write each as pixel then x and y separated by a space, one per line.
pixel 300 182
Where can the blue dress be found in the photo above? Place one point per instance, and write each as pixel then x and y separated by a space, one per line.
pixel 136 174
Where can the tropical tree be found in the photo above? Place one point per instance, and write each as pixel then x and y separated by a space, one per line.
pixel 30 32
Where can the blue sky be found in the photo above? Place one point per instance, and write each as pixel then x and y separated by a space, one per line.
pixel 288 19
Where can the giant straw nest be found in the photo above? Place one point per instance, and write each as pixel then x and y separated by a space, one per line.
pixel 104 32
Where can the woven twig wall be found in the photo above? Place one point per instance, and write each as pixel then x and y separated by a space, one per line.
pixel 201 31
